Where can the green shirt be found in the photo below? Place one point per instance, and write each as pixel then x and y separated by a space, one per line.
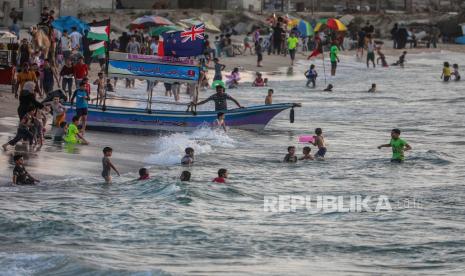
pixel 71 134
pixel 333 53
pixel 292 43
pixel 398 148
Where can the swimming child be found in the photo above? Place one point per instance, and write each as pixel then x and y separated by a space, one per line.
pixel 259 81
pixel 307 156
pixel 188 159
pixel 185 176
pixel 233 79
pixel 20 175
pixel 401 60
pixel 269 97
pixel 59 132
pixel 398 145
pixel 222 176
pixel 456 73
pixel 107 165
pixel 446 72
pixel 381 57
pixel 373 88
pixel 290 156
pixel 219 122
pixel 329 88
pixel 319 141
pixel 143 174
pixel 311 76
pixel 72 133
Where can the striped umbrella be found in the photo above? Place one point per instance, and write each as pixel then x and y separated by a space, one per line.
pixel 305 28
pixel 148 21
pixel 331 23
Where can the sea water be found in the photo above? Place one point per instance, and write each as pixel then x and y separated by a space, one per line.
pixel 72 223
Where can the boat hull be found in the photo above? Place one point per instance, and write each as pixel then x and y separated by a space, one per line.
pixel 133 120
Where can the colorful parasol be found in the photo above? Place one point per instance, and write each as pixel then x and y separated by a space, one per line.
pixel 305 28
pixel 163 29
pixel 331 23
pixel 148 21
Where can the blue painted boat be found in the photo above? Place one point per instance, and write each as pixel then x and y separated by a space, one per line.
pixel 136 120
pixel 460 40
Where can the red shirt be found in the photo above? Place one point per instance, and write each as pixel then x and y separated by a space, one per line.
pixel 219 180
pixel 144 177
pixel 80 71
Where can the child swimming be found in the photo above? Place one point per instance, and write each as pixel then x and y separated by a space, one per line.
pixel 373 88
pixel 456 73
pixel 329 88
pixel 381 57
pixel 143 174
pixel 107 165
pixel 73 136
pixel 306 154
pixel 188 159
pixel 311 76
pixel 222 176
pixel 319 141
pixel 185 176
pixel 398 145
pixel 401 60
pixel 446 72
pixel 290 156
pixel 20 175
pixel 259 81
pixel 269 97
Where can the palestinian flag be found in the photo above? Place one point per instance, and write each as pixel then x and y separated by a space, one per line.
pixel 98 48
pixel 99 30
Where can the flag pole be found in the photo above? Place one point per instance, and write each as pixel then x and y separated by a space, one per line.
pixel 107 56
pixel 324 66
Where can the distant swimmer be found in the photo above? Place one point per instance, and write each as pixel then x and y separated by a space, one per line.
pixel 401 60
pixel 188 158
pixel 446 72
pixel 185 176
pixel 373 88
pixel 398 145
pixel 456 73
pixel 269 97
pixel 143 174
pixel 290 156
pixel 306 154
pixel 222 176
pixel 20 175
pixel 381 57
pixel 259 81
pixel 319 142
pixel 329 88
pixel 107 165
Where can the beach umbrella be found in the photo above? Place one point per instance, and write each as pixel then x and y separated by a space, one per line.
pixel 163 29
pixel 305 28
pixel 67 22
pixel 331 23
pixel 7 35
pixel 292 21
pixel 148 21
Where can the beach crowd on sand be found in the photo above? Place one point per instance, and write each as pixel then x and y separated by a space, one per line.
pixel 68 68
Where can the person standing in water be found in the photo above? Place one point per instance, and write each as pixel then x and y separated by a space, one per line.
pixel 334 51
pixel 446 72
pixel 107 165
pixel 292 44
pixel 398 145
pixel 319 142
pixel 269 97
pixel 370 46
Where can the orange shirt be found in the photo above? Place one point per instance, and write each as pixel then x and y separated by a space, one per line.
pixel 23 77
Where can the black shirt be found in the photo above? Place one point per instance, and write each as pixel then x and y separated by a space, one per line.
pixel 220 100
pixel 22 176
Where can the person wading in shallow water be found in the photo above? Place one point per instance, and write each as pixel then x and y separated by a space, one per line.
pixel 220 99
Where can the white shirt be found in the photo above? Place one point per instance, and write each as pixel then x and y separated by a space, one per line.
pixel 154 48
pixel 65 43
pixel 75 39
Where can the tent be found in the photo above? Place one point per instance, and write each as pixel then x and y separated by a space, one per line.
pixel 67 22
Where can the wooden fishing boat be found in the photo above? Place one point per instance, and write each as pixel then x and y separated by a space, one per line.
pixel 136 120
